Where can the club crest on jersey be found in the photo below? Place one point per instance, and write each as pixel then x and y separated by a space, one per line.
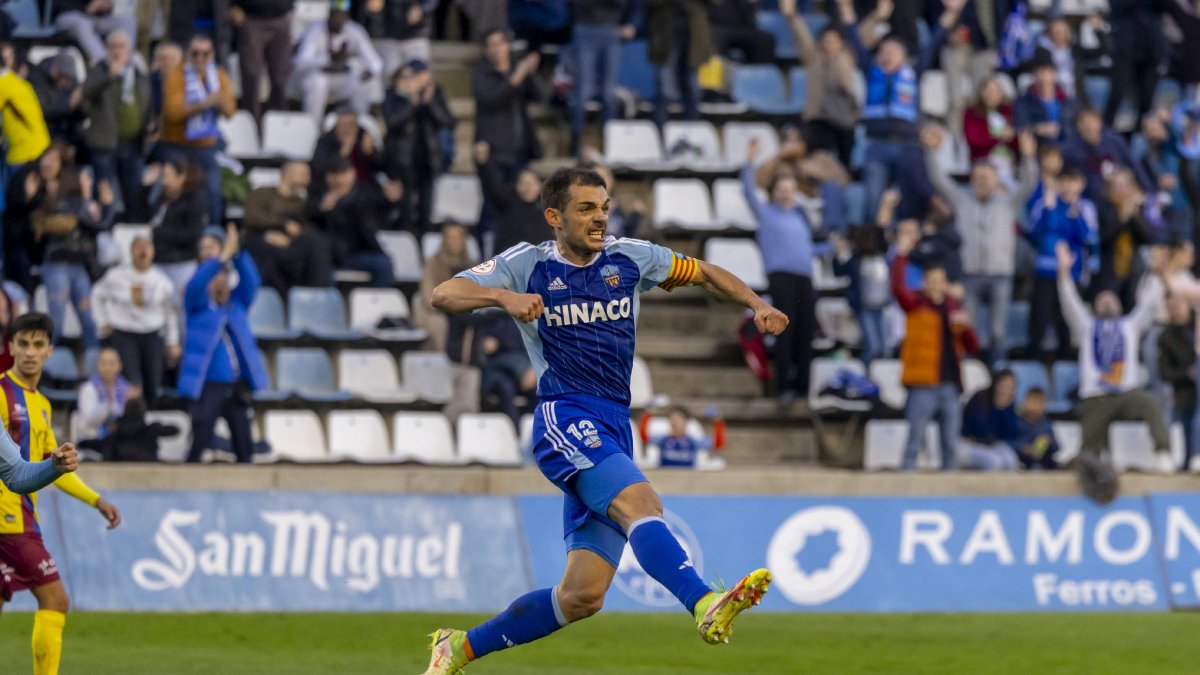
pixel 612 276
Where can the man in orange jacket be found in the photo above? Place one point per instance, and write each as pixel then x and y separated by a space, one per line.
pixel 938 337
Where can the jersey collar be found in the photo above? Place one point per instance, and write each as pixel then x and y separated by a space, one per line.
pixel 11 374
pixel 557 255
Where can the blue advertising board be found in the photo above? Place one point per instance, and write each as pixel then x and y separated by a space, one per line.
pixel 287 551
pixel 895 554
pixel 1177 526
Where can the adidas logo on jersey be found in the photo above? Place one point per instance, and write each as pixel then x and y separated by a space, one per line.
pixel 557 285
pixel 588 312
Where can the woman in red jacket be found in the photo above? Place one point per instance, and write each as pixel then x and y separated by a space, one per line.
pixel 988 124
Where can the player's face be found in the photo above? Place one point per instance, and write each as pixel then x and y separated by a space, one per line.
pixel 584 223
pixel 30 351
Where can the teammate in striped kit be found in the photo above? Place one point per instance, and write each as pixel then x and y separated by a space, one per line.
pixel 576 300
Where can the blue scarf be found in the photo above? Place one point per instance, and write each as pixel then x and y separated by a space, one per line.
pixel 204 123
pixel 120 396
pixel 1108 346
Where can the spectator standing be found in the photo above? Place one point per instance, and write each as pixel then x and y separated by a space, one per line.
pixel 862 259
pixel 938 336
pixel 221 363
pixel 820 179
pixel 503 91
pixel 179 219
pixel 116 98
pixel 60 92
pixel 985 217
pixel 286 251
pixel 167 57
pixel 1139 49
pixel 264 35
pixel 27 191
pixel 990 428
pixel 400 30
pixel 734 28
pixel 679 41
pixel 1098 151
pixel 1058 48
pixel 891 111
pixel 1177 367
pixel 147 12
pixel 418 124
pixel 1036 443
pixel 988 126
pixel 88 21
pixel 194 94
pixel 349 215
pixel 1045 107
pixel 335 62
pixel 103 396
pixel 518 207
pixel 211 17
pixel 1124 229
pixel 1109 359
pixel 596 35
pixel 451 258
pixel 785 239
pixel 21 119
pixel 136 308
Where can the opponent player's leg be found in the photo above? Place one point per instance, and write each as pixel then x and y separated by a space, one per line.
pixel 48 625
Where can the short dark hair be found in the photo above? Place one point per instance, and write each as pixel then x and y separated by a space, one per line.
pixel 1035 391
pixel 31 322
pixel 1003 373
pixel 556 192
pixel 338 164
pixel 679 409
pixel 487 35
pixel 1072 173
pixel 1046 149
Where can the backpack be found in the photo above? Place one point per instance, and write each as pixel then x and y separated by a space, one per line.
pixel 851 386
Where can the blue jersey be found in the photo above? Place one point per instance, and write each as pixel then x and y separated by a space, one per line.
pixel 583 343
pixel 680 450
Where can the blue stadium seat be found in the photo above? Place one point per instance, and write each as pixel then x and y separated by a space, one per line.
pixel 856 203
pixel 1016 334
pixel 319 312
pixel 1066 380
pixel 798 82
pixel 307 373
pixel 62 366
pixel 777 25
pixel 271 393
pixel 1097 88
pixel 637 75
pixel 267 318
pixel 1029 374
pixel 30 24
pixel 761 88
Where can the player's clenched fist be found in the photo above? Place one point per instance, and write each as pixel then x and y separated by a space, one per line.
pixel 770 321
pixel 525 307
pixel 65 458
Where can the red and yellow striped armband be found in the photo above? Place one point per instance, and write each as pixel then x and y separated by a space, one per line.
pixel 683 272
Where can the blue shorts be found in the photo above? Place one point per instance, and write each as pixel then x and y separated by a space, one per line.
pixel 584 445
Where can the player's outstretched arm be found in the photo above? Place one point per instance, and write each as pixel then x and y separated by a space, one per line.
pixel 458 296
pixel 723 284
pixel 24 477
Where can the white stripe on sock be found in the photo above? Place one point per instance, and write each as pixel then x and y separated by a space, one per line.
pixel 635 524
pixel 562 620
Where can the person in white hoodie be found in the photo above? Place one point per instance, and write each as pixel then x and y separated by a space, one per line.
pixel 136 309
pixel 1110 387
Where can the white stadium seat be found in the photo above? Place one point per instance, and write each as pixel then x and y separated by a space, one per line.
pixel 837 322
pixel 173 449
pixel 123 235
pixel 358 435
pixel 402 248
pixel 371 374
pixel 731 207
pixel 305 13
pixel 1070 439
pixel 457 199
pixel 525 433
pixel 737 138
pixel 886 374
pixel 819 373
pixel 824 279
pixel 431 243
pixel 632 143
pixel 488 438
pixel 641 388
pixel 884 446
pixel 429 375
pixel 976 377
pixel 292 135
pixel 935 93
pixel 683 203
pixel 741 257
pixel 700 134
pixel 263 176
pixel 369 305
pixel 241 135
pixel 423 437
pixel 1131 447
pixel 296 435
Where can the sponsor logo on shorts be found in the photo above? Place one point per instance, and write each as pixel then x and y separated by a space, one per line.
pixel 48 567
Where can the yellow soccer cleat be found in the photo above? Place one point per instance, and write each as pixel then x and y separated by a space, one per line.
pixel 716 611
pixel 449 655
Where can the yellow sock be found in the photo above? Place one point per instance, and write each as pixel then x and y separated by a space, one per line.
pixel 47 641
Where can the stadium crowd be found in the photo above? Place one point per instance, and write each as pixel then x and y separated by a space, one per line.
pixel 1060 174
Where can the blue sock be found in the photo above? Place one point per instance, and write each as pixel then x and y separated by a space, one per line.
pixel 530 617
pixel 660 554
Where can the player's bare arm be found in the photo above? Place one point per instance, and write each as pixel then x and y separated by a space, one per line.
pixel 110 512
pixel 458 296
pixel 723 284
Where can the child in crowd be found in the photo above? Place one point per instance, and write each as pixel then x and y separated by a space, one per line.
pixel 1036 445
pixel 678 448
pixel 863 259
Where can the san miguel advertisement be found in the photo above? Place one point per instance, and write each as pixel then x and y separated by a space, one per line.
pixel 357 552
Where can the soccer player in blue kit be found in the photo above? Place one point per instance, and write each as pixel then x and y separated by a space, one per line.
pixel 576 301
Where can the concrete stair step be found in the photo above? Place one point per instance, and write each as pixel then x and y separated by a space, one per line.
pixel 750 446
pixel 695 346
pixel 755 410
pixel 687 380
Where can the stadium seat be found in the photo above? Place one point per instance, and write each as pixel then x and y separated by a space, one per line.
pixel 488 438
pixel 369 305
pixel 1029 374
pixel 798 87
pixel 457 199
pixel 267 318
pixel 38 54
pixel 61 365
pixel 886 374
pixel 1070 438
pixel 402 248
pixel 976 377
pixel 307 12
pixel 739 256
pixel 241 135
pixel 263 176
pixel 731 208
pixel 423 437
pixel 271 393
pixel 636 73
pixel 307 373
pixel 431 243
pixel 633 143
pixel 123 235
pixel 935 94
pixel 884 442
pixel 823 278
pixel 525 434
pixel 683 203
pixel 367 123
pixel 29 19
pixel 820 371
pixel 1131 447
pixel 70 327
pixel 429 375
pixel 780 28
pixel 295 435
pixel 292 135
pixel 737 138
pixel 641 387
pixel 761 88
pixel 173 449
pixel 1016 331
pixel 358 436
pixel 702 138
pixel 371 374
pixel 319 312
pixel 642 456
pixel 836 321
pixel 1065 376
pixel 855 196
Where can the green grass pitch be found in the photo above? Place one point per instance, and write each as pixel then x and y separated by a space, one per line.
pixel 183 644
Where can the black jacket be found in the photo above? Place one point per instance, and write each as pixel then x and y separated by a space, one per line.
pixel 502 115
pixel 353 222
pixel 520 221
pixel 1176 356
pixel 77 247
pixel 412 142
pixel 178 226
pixel 392 23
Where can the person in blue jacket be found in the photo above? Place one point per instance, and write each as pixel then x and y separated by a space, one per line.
pixel 221 363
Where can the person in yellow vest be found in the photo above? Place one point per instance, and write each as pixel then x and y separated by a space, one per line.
pixel 24 560
pixel 21 118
